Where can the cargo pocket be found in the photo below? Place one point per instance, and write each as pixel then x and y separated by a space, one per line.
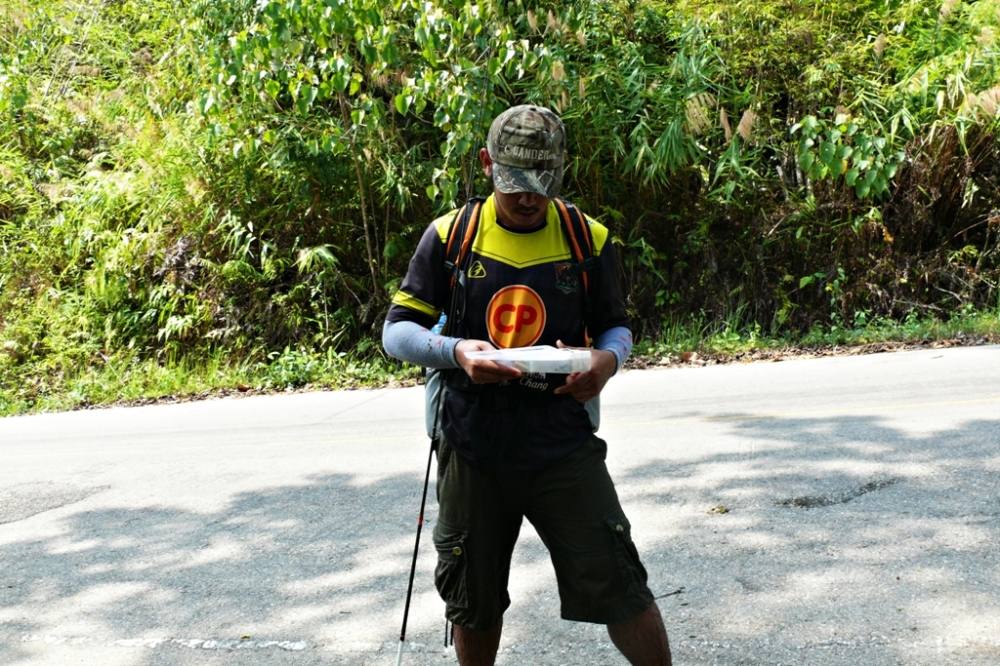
pixel 452 572
pixel 633 574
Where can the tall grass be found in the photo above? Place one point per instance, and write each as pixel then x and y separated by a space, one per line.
pixel 229 190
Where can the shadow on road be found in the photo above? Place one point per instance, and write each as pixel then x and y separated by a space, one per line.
pixel 296 560
pixel 824 529
pixel 832 533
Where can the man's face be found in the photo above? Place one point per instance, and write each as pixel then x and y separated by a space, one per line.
pixel 521 210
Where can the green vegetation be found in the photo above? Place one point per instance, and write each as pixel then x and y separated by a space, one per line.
pixel 205 194
pixel 731 340
pixel 126 379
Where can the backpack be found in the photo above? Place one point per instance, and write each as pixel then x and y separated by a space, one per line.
pixel 461 235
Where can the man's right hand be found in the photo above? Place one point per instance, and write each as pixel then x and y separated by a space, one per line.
pixel 480 370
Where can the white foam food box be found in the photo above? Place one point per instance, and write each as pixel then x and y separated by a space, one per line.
pixel 542 358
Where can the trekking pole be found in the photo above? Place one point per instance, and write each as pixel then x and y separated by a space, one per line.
pixel 442 327
pixel 416 548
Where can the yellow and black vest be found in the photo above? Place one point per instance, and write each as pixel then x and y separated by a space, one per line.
pixel 518 288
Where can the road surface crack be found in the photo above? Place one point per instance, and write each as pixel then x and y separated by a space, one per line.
pixel 816 501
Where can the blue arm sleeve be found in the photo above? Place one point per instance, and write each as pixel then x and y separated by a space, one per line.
pixel 409 341
pixel 618 341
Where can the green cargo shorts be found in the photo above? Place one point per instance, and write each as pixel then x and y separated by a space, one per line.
pixel 574 508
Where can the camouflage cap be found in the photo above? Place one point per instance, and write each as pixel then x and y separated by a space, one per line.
pixel 527 144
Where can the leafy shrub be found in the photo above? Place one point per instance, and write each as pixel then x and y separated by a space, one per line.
pixel 186 181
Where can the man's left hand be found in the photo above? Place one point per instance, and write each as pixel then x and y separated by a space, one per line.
pixel 585 385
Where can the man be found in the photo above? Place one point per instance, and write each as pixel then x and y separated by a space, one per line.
pixel 515 445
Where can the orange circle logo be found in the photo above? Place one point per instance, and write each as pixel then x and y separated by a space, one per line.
pixel 515 317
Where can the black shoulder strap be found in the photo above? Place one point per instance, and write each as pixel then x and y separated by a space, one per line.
pixel 458 243
pixel 461 233
pixel 581 240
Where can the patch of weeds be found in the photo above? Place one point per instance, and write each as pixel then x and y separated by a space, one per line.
pixel 693 341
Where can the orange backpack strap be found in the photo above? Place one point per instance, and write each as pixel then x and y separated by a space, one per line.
pixel 581 243
pixel 581 240
pixel 463 227
pixel 460 236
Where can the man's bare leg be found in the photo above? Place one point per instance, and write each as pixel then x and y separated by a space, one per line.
pixel 643 639
pixel 477 648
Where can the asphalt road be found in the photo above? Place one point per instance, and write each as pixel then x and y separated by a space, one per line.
pixel 816 512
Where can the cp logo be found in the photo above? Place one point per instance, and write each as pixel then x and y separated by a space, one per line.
pixel 515 317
